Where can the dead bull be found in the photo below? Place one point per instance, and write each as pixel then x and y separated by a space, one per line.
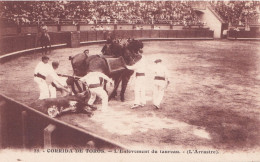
pixel 57 106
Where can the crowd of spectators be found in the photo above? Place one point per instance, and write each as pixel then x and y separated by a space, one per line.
pixel 91 12
pixel 236 12
pixel 132 12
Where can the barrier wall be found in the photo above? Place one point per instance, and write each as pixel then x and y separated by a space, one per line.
pixel 53 28
pixel 124 27
pixel 65 28
pixel 243 34
pixel 162 27
pixel 177 27
pixel 5 31
pixel 92 36
pixel 86 27
pixel 22 42
pixel 29 29
pixel 9 31
pixel 145 27
pixel 92 27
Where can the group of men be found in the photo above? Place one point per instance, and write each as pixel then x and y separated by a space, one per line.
pixel 49 82
pixel 160 81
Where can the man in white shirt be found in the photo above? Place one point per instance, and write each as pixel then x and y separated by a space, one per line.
pixel 40 73
pixel 140 69
pixel 43 72
pixel 92 81
pixel 161 82
pixel 57 83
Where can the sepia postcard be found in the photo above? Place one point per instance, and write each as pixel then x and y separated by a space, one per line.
pixel 129 80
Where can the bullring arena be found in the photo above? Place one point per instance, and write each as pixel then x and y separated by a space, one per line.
pixel 211 103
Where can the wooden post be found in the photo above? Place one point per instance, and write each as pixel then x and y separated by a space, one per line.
pixel 48 141
pixel 24 129
pixel 3 127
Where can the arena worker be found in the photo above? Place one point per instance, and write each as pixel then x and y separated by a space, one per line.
pixel 44 28
pixel 92 82
pixel 160 83
pixel 140 81
pixel 40 74
pixel 57 83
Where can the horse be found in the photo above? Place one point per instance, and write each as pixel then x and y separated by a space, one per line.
pixel 45 41
pixel 82 64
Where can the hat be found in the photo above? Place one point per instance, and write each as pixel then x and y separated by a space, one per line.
pixel 45 58
pixel 158 60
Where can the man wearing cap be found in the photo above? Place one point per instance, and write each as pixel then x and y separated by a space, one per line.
pixel 140 68
pixel 40 73
pixel 93 83
pixel 44 28
pixel 161 81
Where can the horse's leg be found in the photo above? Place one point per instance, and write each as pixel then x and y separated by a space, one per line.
pixel 123 88
pixel 105 86
pixel 116 85
pixel 73 88
pixel 84 87
pixel 78 86
pixel 125 80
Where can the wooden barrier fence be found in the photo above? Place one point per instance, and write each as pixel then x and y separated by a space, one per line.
pixel 24 127
pixel 22 42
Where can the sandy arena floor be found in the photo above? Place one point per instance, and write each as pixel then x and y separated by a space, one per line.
pixel 213 99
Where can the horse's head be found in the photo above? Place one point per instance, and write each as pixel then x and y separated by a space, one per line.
pixel 130 58
pixel 135 46
pixel 78 63
pixel 116 49
pixel 132 51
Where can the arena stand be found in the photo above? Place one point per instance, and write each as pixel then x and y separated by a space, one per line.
pixel 17 16
pixel 242 17
pixel 90 12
